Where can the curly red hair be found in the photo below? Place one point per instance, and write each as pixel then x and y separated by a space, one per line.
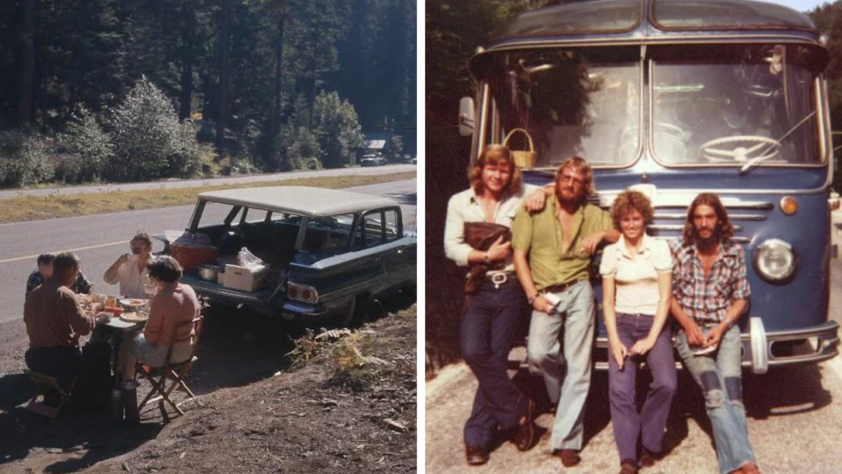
pixel 628 201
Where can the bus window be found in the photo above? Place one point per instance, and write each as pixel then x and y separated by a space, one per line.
pixel 572 102
pixel 740 104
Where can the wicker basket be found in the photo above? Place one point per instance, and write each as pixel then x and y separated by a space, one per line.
pixel 523 158
pixel 191 256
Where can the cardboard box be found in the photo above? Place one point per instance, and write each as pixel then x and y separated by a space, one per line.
pixel 243 279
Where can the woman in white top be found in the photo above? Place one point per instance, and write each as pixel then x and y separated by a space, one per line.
pixel 637 284
pixel 129 270
pixel 494 311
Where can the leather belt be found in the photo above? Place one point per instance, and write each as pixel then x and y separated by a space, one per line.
pixel 562 287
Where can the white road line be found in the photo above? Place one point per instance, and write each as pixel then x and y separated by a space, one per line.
pixel 28 257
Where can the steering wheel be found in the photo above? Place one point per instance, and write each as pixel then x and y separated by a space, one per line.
pixel 740 154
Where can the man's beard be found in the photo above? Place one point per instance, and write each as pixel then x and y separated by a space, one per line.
pixel 713 239
pixel 576 199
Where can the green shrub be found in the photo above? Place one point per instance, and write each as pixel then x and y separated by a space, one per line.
pixel 87 149
pixel 337 129
pixel 149 142
pixel 24 159
pixel 300 149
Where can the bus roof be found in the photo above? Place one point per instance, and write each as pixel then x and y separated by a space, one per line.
pixel 652 18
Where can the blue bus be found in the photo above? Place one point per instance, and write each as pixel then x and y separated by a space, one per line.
pixel 674 98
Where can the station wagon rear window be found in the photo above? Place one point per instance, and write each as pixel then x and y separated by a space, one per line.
pixel 725 15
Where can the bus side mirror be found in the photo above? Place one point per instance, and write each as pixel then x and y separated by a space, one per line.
pixel 466 116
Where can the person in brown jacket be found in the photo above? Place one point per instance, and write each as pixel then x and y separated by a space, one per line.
pixel 173 303
pixel 55 321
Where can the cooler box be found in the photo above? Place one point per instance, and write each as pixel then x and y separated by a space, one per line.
pixel 244 279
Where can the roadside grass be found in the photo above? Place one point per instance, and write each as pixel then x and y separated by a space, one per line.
pixel 33 208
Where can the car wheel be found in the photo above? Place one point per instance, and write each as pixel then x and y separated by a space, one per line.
pixel 356 314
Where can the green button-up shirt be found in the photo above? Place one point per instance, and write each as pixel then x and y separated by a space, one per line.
pixel 540 235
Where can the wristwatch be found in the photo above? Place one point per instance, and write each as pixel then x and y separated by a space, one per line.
pixel 486 257
pixel 532 298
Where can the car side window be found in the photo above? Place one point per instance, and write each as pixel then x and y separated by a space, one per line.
pixel 328 235
pixel 376 228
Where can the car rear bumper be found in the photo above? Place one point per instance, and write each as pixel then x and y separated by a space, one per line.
pixel 304 313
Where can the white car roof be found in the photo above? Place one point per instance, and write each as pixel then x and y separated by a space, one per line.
pixel 299 200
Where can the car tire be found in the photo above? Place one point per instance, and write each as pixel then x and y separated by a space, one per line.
pixel 357 312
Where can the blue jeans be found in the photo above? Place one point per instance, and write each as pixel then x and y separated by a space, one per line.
pixel 575 313
pixel 718 373
pixel 650 423
pixel 486 337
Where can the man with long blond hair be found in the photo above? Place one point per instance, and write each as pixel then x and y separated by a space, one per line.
pixel 559 241
pixel 491 317
pixel 710 294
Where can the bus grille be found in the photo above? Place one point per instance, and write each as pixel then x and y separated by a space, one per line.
pixel 671 212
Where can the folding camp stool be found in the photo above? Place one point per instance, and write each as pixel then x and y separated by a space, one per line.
pixel 44 385
pixel 171 375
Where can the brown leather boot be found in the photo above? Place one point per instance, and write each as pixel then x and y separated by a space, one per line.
pixel 569 457
pixel 524 436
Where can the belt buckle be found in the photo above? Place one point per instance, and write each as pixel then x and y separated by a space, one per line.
pixel 498 279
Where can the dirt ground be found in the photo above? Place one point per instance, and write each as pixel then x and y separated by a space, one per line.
pixel 793 421
pixel 253 412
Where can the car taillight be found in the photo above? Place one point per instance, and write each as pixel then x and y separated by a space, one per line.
pixel 304 293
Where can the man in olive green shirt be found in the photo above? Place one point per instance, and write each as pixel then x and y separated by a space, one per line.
pixel 559 242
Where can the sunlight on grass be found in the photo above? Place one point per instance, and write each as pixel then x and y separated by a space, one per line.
pixel 32 208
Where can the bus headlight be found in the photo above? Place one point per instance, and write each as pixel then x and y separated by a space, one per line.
pixel 774 260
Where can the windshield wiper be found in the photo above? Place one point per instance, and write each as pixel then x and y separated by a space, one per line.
pixel 755 161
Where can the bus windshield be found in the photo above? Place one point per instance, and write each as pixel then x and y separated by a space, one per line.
pixel 572 102
pixel 733 105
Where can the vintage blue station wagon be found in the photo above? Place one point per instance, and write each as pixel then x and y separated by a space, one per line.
pixel 328 253
pixel 679 97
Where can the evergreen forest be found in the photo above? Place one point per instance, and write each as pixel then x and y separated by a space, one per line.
pixel 135 90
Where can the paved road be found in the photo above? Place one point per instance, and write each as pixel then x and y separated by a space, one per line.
pixel 174 184
pixel 99 240
pixel 795 420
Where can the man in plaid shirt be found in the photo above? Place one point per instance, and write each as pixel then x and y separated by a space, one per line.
pixel 45 270
pixel 710 295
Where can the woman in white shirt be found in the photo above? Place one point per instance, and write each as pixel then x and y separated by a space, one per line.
pixel 129 270
pixel 495 309
pixel 637 284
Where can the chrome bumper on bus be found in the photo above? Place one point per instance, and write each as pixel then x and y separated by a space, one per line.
pixel 795 346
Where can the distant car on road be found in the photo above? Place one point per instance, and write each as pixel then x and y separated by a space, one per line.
pixel 372 160
pixel 328 253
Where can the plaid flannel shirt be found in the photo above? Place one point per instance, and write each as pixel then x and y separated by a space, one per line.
pixel 81 285
pixel 707 301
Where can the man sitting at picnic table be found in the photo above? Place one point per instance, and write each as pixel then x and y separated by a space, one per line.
pixel 55 321
pixel 45 270
pixel 173 303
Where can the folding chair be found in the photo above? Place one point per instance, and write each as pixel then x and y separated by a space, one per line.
pixel 171 375
pixel 45 385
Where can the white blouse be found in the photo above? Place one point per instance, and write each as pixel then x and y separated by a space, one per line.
pixel 636 277
pixel 131 280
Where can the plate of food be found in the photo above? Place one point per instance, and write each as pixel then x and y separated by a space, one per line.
pixel 133 304
pixel 133 317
